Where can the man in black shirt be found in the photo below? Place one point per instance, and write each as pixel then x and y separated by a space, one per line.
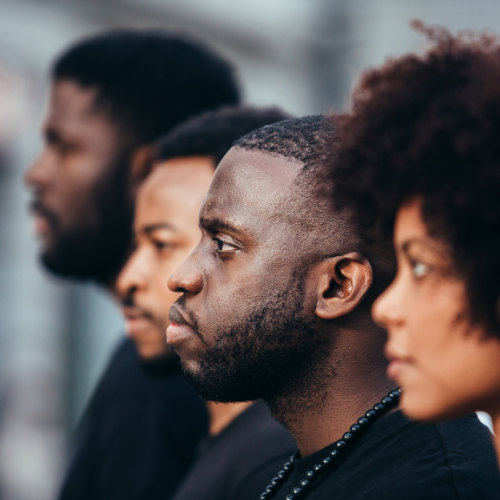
pixel 245 444
pixel 112 96
pixel 276 305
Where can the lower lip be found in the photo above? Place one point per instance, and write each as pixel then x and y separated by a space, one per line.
pixel 177 333
pixel 134 325
pixel 395 368
pixel 41 225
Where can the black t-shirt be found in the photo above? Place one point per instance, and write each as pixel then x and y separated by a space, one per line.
pixel 401 460
pixel 239 462
pixel 138 436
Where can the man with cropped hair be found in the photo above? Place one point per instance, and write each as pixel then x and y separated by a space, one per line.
pixel 245 444
pixel 275 305
pixel 112 96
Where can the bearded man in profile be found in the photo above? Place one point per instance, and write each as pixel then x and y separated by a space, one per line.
pixel 112 96
pixel 276 305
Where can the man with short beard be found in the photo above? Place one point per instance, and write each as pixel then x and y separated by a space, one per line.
pixel 276 305
pixel 244 444
pixel 112 96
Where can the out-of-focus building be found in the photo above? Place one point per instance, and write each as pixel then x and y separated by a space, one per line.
pixel 303 55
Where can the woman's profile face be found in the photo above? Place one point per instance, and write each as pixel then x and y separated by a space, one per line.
pixel 446 365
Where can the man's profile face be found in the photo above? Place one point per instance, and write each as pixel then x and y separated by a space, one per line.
pixel 166 232
pixel 80 204
pixel 244 325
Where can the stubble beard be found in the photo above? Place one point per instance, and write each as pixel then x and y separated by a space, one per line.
pixel 275 354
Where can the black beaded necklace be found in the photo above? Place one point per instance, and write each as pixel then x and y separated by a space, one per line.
pixel 342 446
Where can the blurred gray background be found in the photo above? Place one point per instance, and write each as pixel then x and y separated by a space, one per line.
pixel 303 55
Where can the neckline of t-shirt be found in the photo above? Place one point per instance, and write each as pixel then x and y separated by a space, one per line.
pixel 386 425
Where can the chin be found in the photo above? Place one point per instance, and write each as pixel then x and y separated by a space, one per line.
pixel 425 407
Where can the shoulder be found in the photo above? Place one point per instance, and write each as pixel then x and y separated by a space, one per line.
pixel 404 459
pixel 470 457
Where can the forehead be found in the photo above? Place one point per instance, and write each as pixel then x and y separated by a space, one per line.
pixel 252 183
pixel 175 186
pixel 409 223
pixel 72 107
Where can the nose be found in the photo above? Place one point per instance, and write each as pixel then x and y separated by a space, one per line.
pixel 187 278
pixel 387 310
pixel 133 276
pixel 39 175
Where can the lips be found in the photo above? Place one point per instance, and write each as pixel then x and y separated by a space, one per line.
pixel 179 330
pixel 44 219
pixel 136 319
pixel 397 362
pixel 41 225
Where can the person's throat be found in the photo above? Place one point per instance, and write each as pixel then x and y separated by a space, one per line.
pixel 323 418
pixel 222 414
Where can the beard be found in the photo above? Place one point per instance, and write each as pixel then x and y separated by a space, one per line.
pixel 274 354
pixel 96 252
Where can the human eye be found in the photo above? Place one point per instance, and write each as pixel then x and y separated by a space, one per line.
pixel 419 269
pixel 224 246
pixel 65 148
pixel 161 245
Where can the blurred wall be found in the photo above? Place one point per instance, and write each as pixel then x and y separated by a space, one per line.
pixel 303 55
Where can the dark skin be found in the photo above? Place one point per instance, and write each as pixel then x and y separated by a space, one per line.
pixel 79 145
pixel 82 143
pixel 249 247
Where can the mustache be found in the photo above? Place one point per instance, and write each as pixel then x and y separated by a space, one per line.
pixel 129 301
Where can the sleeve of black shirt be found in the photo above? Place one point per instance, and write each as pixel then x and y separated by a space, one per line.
pixel 138 436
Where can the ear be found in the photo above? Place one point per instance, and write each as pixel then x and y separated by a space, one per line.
pixel 343 282
pixel 142 163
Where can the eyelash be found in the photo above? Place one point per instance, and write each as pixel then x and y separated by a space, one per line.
pixel 160 245
pixel 220 244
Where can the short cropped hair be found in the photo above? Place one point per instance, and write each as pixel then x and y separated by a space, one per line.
pixel 150 81
pixel 428 127
pixel 306 139
pixel 310 141
pixel 214 132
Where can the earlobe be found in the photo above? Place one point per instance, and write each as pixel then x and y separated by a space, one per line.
pixel 343 282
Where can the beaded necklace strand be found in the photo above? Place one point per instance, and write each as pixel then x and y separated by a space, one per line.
pixel 334 457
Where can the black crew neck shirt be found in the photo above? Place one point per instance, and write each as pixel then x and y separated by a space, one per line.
pixel 239 462
pixel 138 436
pixel 397 459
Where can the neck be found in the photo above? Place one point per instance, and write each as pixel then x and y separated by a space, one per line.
pixel 355 380
pixel 222 414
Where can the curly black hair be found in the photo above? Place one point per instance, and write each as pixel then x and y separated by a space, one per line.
pixel 150 81
pixel 429 127
pixel 214 132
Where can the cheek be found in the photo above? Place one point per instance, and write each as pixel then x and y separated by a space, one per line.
pixel 76 193
pixel 449 364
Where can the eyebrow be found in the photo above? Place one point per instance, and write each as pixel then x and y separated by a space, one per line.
pixel 214 224
pixel 160 225
pixel 422 241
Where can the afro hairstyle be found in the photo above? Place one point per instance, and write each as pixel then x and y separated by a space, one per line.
pixel 149 80
pixel 427 127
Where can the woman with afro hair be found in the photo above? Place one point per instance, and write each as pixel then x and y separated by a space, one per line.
pixel 418 162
